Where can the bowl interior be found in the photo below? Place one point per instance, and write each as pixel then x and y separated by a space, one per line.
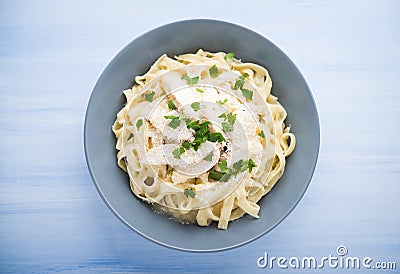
pixel 187 37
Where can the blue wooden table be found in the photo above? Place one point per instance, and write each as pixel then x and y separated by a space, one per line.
pixel 51 53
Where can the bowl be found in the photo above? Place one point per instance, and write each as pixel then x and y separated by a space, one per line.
pixel 187 37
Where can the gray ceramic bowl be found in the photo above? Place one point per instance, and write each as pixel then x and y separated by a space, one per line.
pixel 185 37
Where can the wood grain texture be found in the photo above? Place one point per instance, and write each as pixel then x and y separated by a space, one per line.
pixel 51 53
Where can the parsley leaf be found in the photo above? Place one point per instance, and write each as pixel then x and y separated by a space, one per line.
pixel 174 123
pixel 208 158
pixel 171 105
pixel 223 166
pixel 239 165
pixel 202 134
pixel 171 117
pixel 149 96
pixel 175 120
pixel 186 145
pixel 220 176
pixel 139 123
pixel 171 171
pixel 193 125
pixel 200 90
pixel 250 165
pixel 261 134
pixel 216 137
pixel 204 128
pixel 240 83
pixel 227 127
pixel 230 55
pixel 225 173
pixel 190 81
pixel 189 192
pixel 178 152
pixel 215 175
pixel 182 116
pixel 223 115
pixel 195 106
pixel 247 93
pixel 213 71
pixel 219 102
pixel 230 120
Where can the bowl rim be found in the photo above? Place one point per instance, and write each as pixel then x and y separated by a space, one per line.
pixel 234 25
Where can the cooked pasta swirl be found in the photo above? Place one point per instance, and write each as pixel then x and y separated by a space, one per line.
pixel 202 138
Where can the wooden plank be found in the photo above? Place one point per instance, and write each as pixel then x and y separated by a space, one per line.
pixel 51 53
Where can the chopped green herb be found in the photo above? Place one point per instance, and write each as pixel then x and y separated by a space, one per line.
pixel 227 127
pixel 200 90
pixel 189 192
pixel 223 166
pixel 239 166
pixel 213 71
pixel 195 106
pixel 171 117
pixel 171 171
pixel 174 123
pixel 149 96
pixel 225 173
pixel 208 158
pixel 178 152
pixel 219 102
pixel 261 134
pixel 240 83
pixel 247 93
pixel 223 115
pixel 215 175
pixel 186 145
pixel 193 125
pixel 190 81
pixel 139 123
pixel 250 165
pixel 230 55
pixel 176 120
pixel 201 129
pixel 222 175
pixel 182 116
pixel 230 120
pixel 202 134
pixel 171 105
pixel 216 137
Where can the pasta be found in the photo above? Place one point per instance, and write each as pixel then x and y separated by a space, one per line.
pixel 202 138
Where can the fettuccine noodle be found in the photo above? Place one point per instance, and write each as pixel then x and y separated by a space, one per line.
pixel 202 138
